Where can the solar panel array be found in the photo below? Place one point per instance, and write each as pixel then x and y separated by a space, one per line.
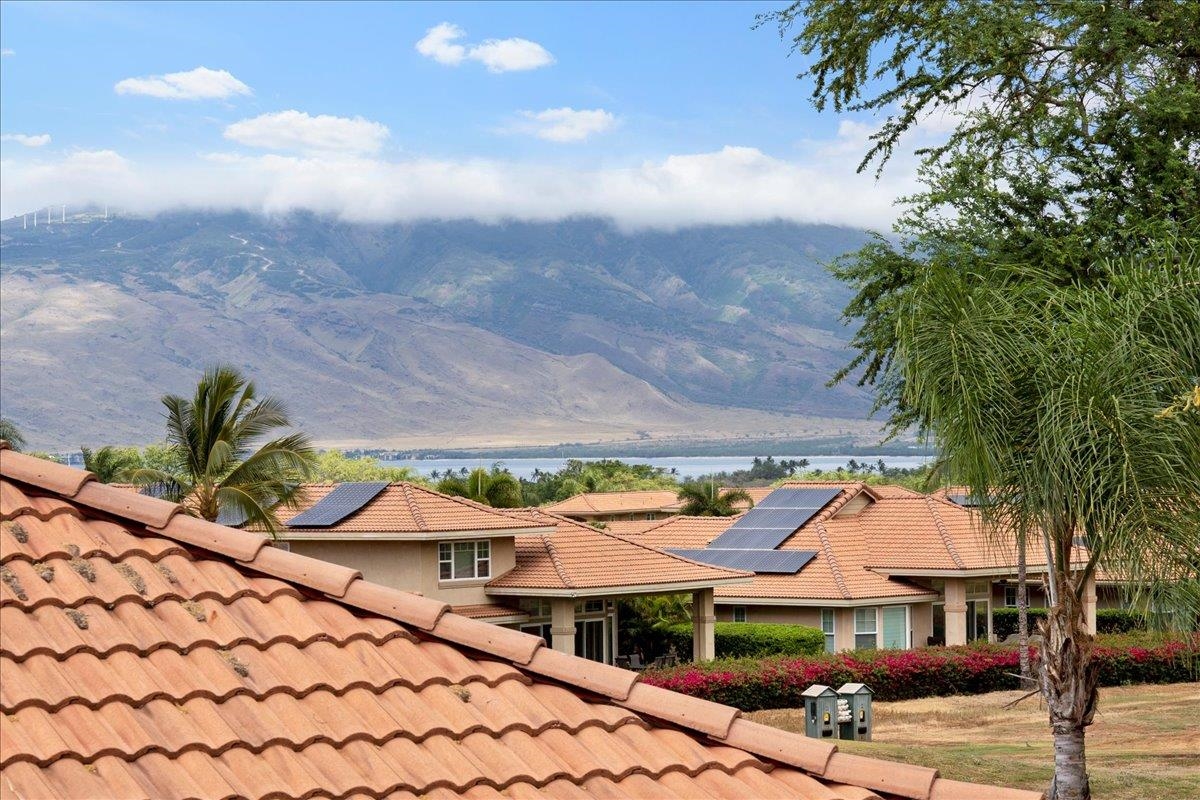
pixel 777 562
pixel 334 507
pixel 769 523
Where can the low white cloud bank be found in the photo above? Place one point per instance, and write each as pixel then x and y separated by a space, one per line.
pixel 29 140
pixel 733 185
pixel 298 131
pixel 200 83
pixel 441 43
pixel 7 52
pixel 565 124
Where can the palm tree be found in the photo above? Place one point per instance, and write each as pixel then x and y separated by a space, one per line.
pixel 497 487
pixel 1050 399
pixel 706 500
pixel 214 464
pixel 11 434
pixel 110 463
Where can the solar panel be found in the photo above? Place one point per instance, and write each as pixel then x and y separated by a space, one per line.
pixel 776 562
pixel 967 500
pixel 334 507
pixel 777 517
pixel 232 517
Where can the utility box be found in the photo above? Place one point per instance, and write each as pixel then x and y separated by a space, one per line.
pixel 820 711
pixel 857 696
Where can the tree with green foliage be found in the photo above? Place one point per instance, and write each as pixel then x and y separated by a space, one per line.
pixel 10 433
pixel 110 464
pixel 333 466
pixel 214 462
pixel 709 500
pixel 495 487
pixel 1036 309
pixel 603 475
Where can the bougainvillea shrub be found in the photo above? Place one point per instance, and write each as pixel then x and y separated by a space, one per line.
pixel 753 684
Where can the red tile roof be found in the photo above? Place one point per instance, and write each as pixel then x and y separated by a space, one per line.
pixel 594 503
pixel 577 556
pixel 403 508
pixel 150 654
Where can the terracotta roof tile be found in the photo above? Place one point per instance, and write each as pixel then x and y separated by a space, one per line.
pixel 592 503
pixel 403 508
pixel 149 666
pixel 578 556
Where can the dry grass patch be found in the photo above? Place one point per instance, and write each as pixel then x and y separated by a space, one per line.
pixel 1144 743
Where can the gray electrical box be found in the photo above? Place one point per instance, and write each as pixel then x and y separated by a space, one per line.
pixel 858 697
pixel 820 711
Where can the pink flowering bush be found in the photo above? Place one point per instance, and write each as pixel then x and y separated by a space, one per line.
pixel 752 684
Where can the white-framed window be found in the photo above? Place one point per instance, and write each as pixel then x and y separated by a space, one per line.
pixel 866 628
pixel 1010 596
pixel 459 561
pixel 827 629
pixel 739 613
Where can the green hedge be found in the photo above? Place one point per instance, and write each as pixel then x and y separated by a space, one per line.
pixel 751 639
pixel 1108 620
pixel 756 683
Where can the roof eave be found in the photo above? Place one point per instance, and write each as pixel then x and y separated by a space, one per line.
pixel 608 591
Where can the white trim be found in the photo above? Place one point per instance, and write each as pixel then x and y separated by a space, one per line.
pixel 616 591
pixel 983 572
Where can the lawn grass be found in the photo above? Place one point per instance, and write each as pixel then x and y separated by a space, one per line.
pixel 1144 743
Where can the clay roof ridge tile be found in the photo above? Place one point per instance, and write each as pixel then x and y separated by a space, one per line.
pixel 559 567
pixel 51 476
pixel 413 507
pixel 944 532
pixel 834 567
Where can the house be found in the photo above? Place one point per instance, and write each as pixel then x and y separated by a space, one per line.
pixel 609 507
pixel 872 566
pixel 526 568
pixel 146 653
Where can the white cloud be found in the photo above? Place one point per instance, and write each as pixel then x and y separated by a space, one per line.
pixel 29 140
pixel 296 130
pixel 200 83
pixel 438 44
pixel 7 52
pixel 510 55
pixel 566 124
pixel 499 55
pixel 733 185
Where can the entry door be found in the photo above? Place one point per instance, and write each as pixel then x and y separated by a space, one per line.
pixel 895 627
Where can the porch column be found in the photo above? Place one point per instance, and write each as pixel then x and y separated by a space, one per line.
pixel 562 625
pixel 956 610
pixel 704 618
pixel 1089 603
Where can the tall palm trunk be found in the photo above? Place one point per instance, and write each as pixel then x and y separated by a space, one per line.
pixel 1069 679
pixel 1023 610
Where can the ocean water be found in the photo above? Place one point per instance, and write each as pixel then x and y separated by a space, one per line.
pixel 684 466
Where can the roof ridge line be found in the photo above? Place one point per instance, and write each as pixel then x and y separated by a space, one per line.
pixel 664 551
pixel 944 532
pixel 547 540
pixel 413 508
pixel 834 567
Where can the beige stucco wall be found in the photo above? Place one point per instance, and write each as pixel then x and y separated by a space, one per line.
pixel 777 615
pixel 412 566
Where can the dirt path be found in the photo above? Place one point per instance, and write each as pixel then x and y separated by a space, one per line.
pixel 1145 742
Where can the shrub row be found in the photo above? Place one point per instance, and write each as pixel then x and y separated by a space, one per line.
pixel 750 639
pixel 1108 620
pixel 753 684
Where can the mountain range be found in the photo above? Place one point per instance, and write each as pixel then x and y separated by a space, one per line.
pixel 428 334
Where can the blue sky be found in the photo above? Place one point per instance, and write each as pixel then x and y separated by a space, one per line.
pixel 658 114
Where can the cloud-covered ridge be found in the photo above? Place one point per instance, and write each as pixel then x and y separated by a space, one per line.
pixel 200 83
pixel 499 55
pixel 729 186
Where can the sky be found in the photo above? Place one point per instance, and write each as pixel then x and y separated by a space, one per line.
pixel 656 115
